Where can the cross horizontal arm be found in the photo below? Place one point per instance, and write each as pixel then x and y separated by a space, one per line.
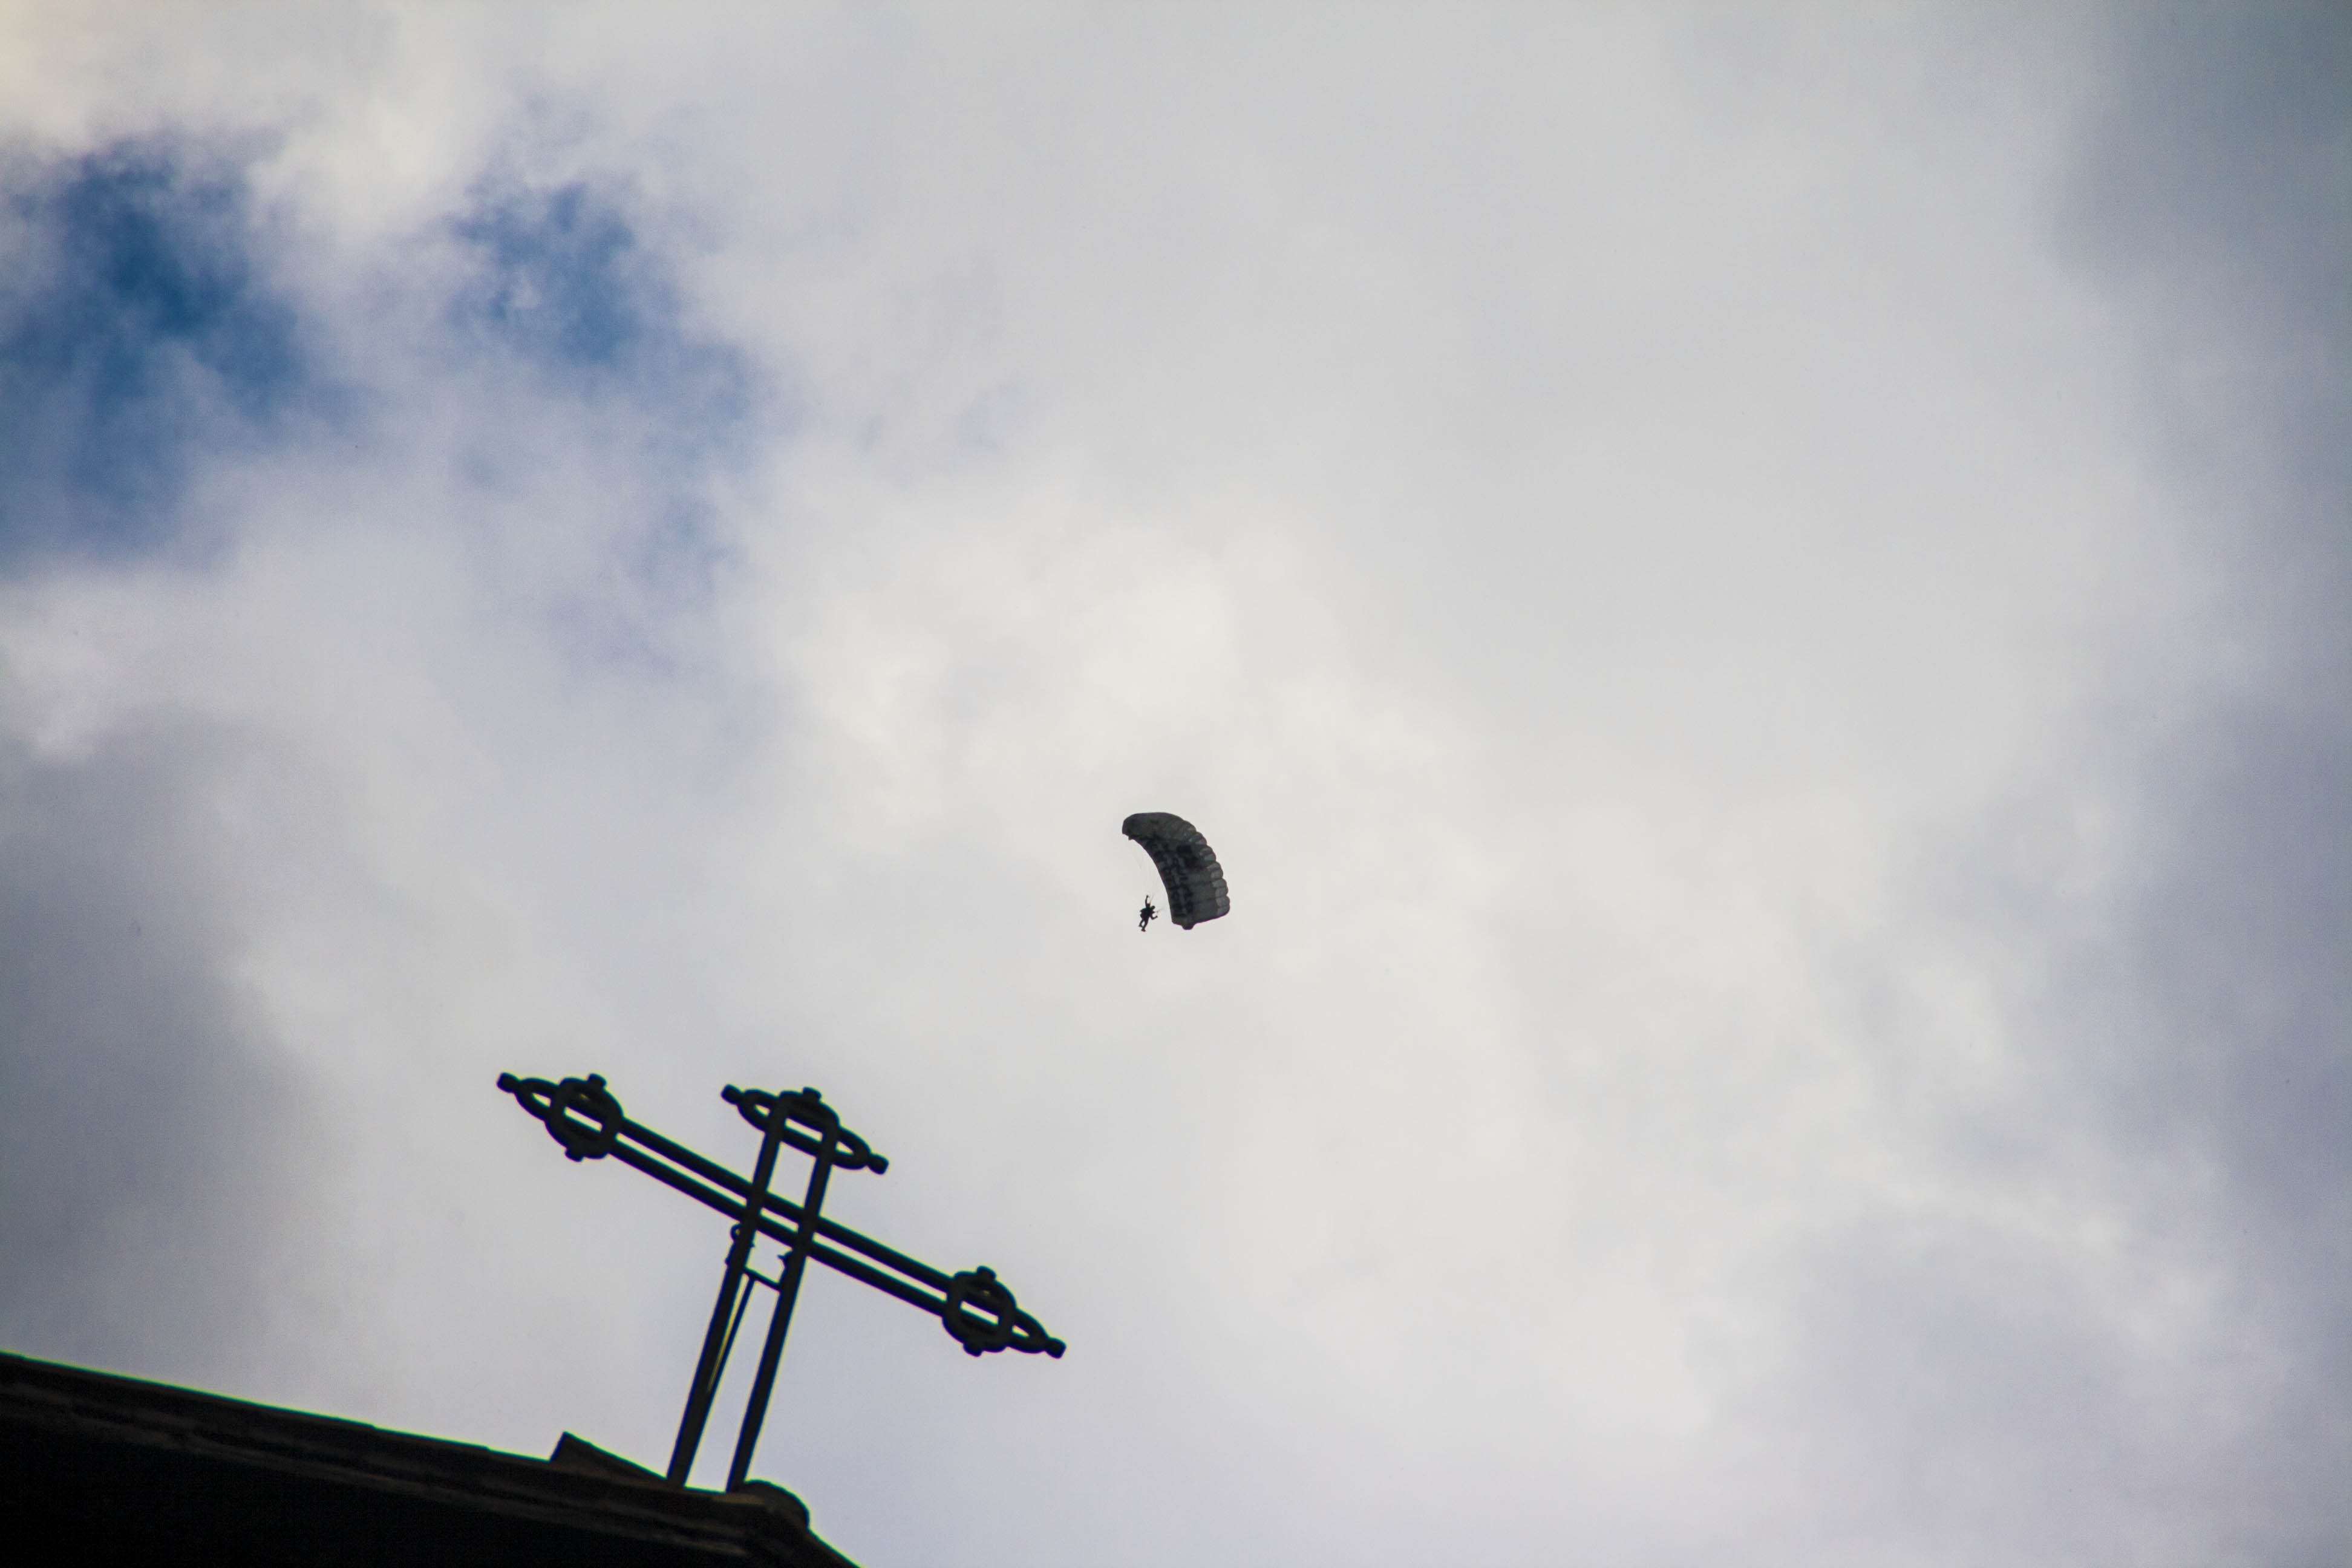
pixel 712 1171
pixel 776 1230
pixel 975 1306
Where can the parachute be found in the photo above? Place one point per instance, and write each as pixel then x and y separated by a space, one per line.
pixel 1188 867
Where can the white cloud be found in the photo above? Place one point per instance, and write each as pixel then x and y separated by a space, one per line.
pixel 1622 528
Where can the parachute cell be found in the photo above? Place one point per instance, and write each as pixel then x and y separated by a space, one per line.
pixel 1188 867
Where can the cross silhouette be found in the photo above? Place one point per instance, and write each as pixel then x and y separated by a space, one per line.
pixel 975 1305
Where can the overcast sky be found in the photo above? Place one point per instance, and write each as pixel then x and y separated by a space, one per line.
pixel 1757 600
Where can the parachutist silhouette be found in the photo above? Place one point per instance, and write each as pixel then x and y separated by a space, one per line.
pixel 1143 920
pixel 1188 867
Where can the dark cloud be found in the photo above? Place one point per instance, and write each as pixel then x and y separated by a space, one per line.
pixel 136 333
pixel 148 1131
pixel 2219 195
pixel 2214 1012
pixel 2214 202
pixel 2194 1039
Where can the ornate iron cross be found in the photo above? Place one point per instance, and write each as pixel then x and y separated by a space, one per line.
pixel 584 1116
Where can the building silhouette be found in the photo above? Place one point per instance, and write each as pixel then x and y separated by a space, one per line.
pixel 107 1468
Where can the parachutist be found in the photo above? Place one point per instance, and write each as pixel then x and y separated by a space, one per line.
pixel 1143 920
pixel 1188 867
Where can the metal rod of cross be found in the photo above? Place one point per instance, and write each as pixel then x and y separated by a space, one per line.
pixel 975 1305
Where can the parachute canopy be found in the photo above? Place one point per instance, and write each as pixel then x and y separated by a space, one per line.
pixel 1188 867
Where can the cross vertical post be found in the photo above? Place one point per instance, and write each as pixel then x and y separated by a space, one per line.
pixel 715 1340
pixel 788 1285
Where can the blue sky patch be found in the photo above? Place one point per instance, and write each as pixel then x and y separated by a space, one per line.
pixel 561 281
pixel 564 281
pixel 135 331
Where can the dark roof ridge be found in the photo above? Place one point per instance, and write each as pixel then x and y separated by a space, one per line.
pixel 127 1446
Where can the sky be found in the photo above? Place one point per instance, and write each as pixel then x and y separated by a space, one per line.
pixel 1757 601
